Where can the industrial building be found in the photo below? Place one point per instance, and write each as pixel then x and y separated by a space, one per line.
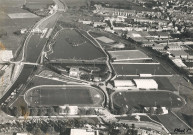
pixel 146 83
pixel 136 84
pixel 83 132
pixel 123 83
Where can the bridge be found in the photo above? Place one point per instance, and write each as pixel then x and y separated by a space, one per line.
pixel 19 62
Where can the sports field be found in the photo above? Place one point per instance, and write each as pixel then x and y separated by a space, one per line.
pixel 147 99
pixel 136 68
pixel 171 122
pixel 71 44
pixel 64 95
pixel 128 55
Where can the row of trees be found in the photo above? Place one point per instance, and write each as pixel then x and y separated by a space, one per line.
pixel 24 111
pixel 139 109
pixel 121 129
pixel 45 111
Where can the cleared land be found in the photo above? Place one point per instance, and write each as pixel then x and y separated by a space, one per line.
pixel 71 44
pixel 135 69
pixel 21 15
pixel 58 96
pixel 147 98
pixel 105 40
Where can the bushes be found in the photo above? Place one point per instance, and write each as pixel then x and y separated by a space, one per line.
pixel 2 33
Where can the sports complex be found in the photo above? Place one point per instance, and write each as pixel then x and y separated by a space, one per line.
pixel 78 95
pixel 147 99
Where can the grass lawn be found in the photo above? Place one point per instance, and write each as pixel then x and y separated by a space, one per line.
pixel 147 98
pixel 134 69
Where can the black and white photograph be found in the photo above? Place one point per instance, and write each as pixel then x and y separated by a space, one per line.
pixel 96 67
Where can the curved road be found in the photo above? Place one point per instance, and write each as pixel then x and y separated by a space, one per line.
pixel 33 47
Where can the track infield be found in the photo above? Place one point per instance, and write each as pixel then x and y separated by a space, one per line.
pixel 64 95
pixel 147 99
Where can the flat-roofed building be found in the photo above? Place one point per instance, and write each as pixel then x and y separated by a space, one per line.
pixel 6 55
pixel 179 54
pixel 98 24
pixel 123 83
pixel 83 132
pixel 74 72
pixel 174 47
pixel 22 134
pixel 146 83
pixel 70 110
pixel 179 63
pixel 159 47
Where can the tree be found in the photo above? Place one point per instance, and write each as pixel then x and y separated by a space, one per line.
pixel 123 110
pixel 50 130
pixel 42 111
pixel 2 33
pixel 58 110
pixel 34 111
pixel 133 131
pixel 17 111
pixel 82 111
pixel 159 110
pixel 51 111
pixel 37 131
pixel 90 111
pixel 7 110
pixel 18 32
pixel 151 111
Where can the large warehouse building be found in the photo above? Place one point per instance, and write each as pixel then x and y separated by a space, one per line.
pixel 123 83
pixel 136 84
pixel 146 83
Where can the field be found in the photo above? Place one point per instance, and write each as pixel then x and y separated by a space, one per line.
pixel 135 69
pixel 164 84
pixel 171 122
pixel 128 55
pixel 147 98
pixel 38 4
pixel 116 38
pixel 75 3
pixel 120 4
pixel 58 96
pixel 8 25
pixel 21 15
pixel 70 44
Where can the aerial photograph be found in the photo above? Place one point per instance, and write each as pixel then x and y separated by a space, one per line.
pixel 96 67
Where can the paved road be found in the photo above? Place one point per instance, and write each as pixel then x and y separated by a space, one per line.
pixel 33 47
